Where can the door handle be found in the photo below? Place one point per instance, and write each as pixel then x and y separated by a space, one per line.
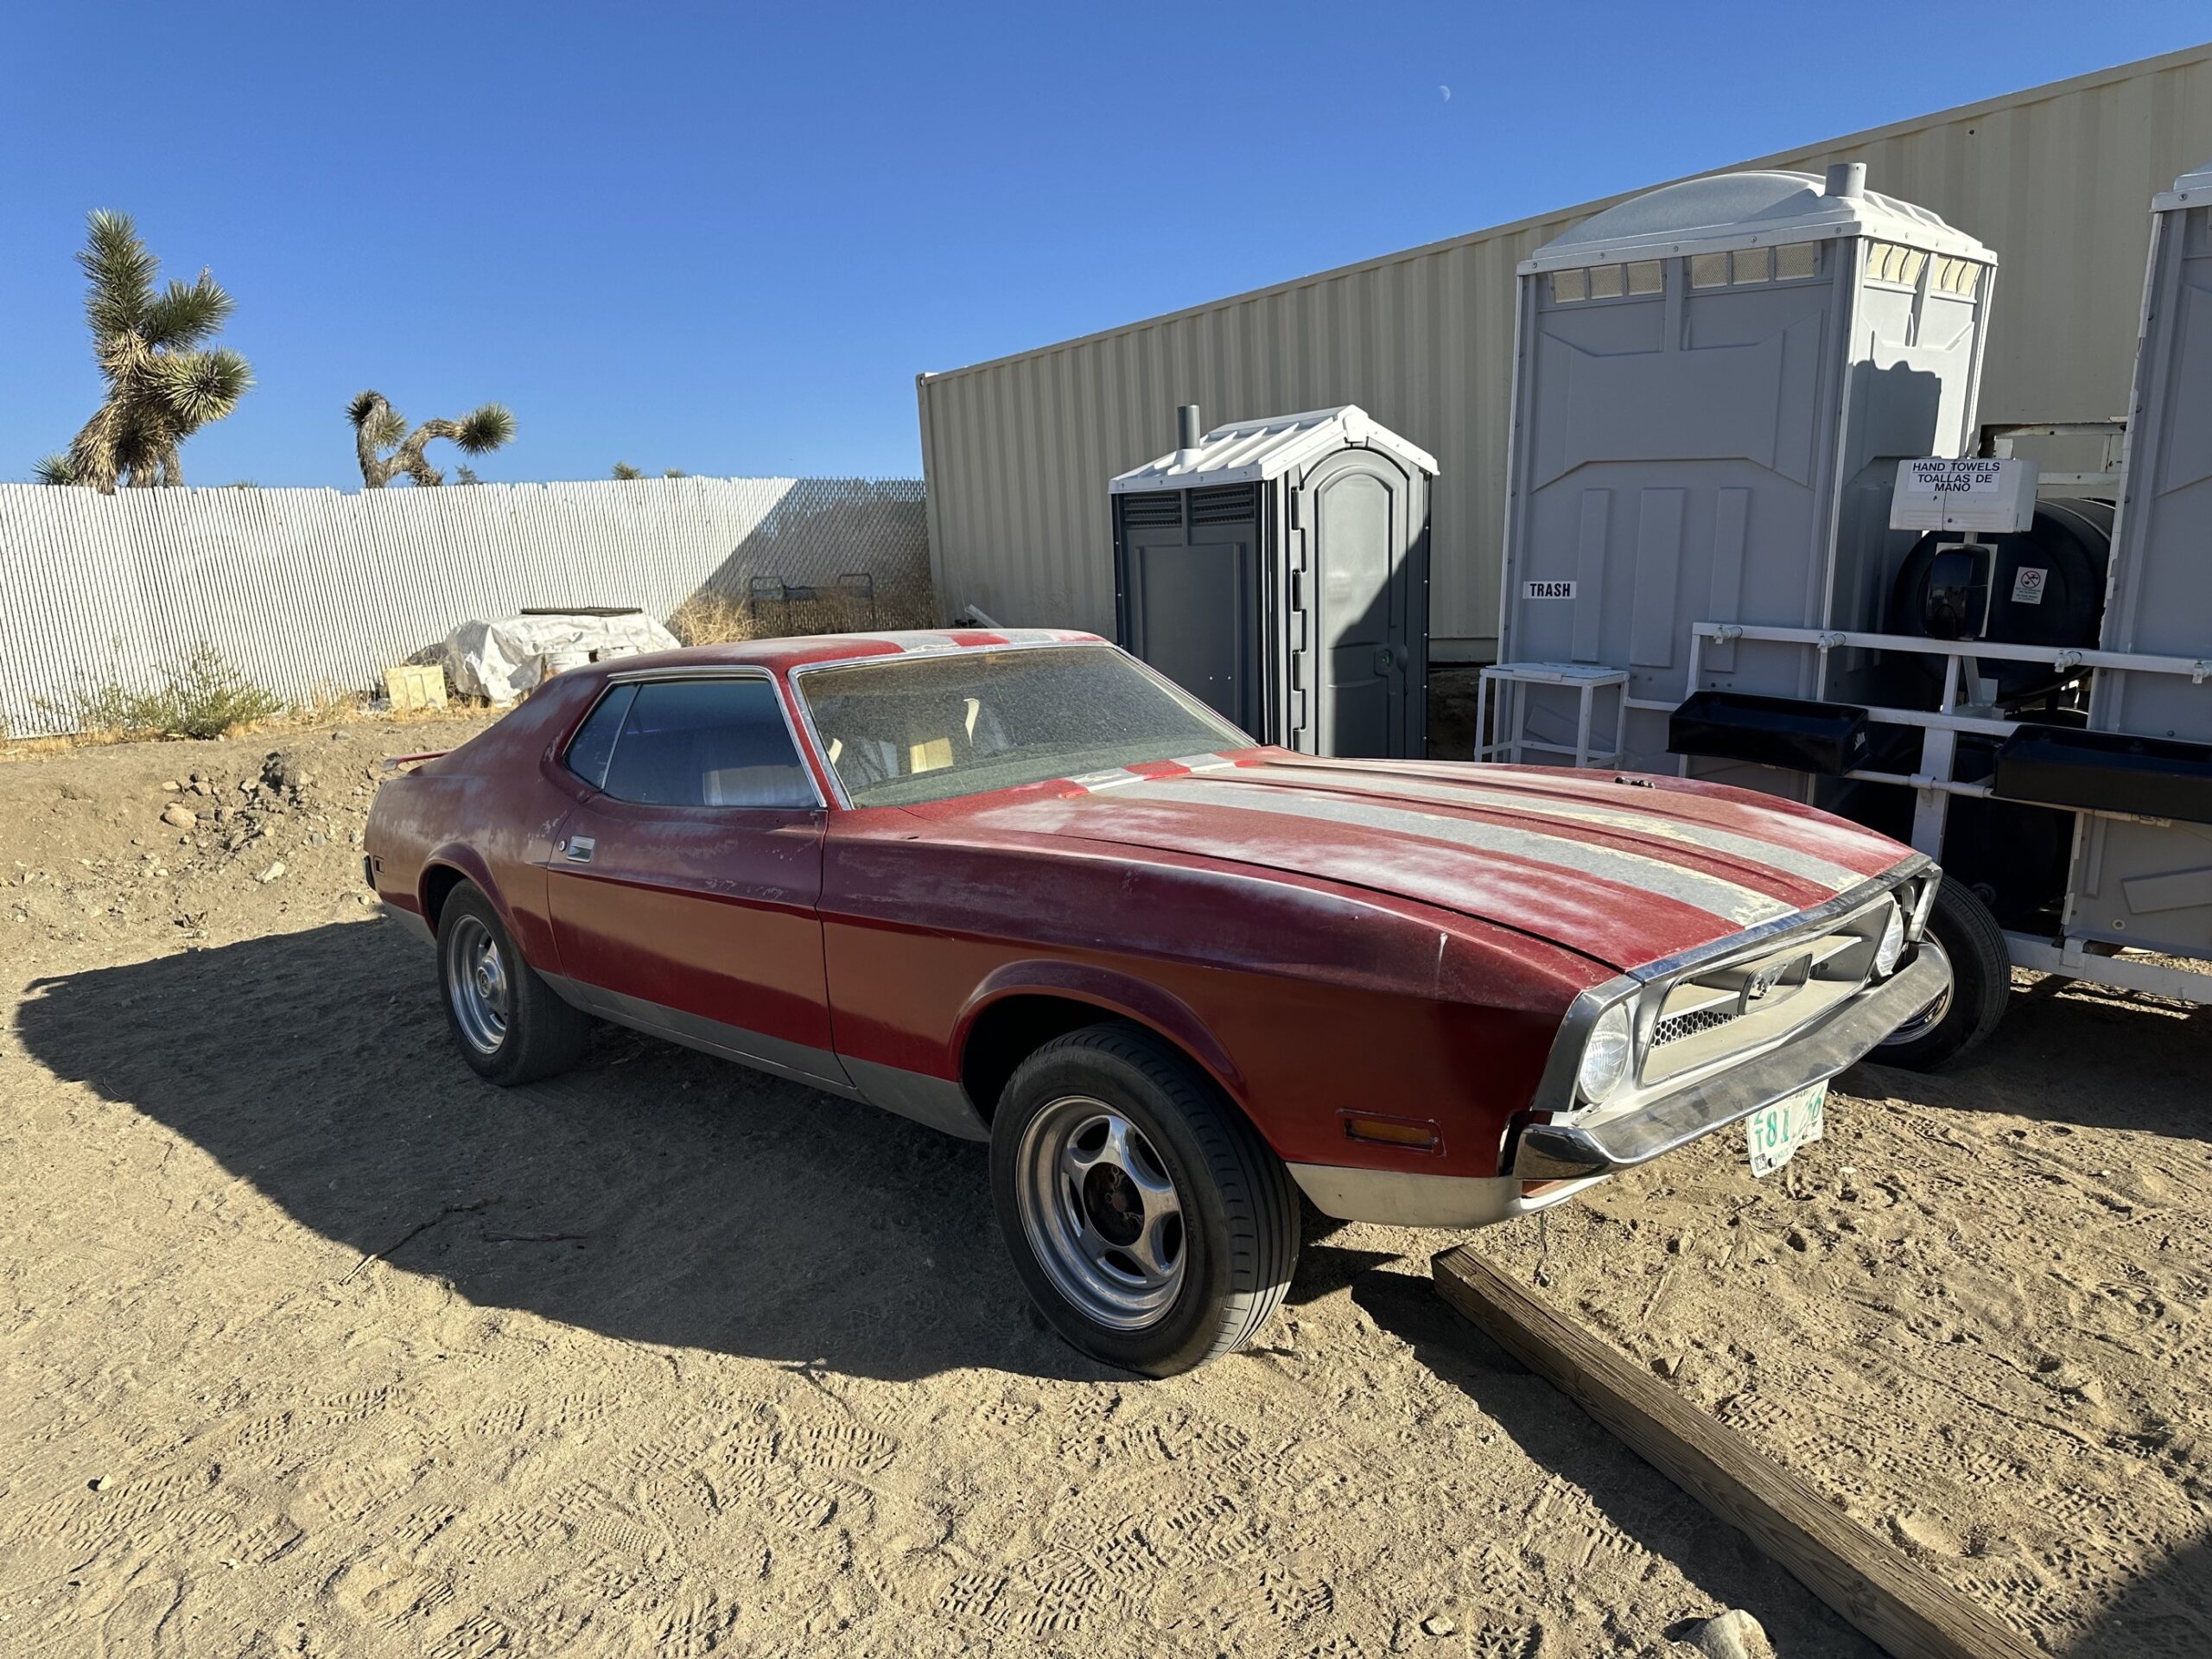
pixel 581 848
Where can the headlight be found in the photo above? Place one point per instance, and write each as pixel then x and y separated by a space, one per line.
pixel 1605 1056
pixel 1892 944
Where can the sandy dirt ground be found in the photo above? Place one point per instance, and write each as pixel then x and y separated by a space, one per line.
pixel 316 1344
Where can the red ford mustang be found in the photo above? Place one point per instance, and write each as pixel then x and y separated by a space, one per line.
pixel 1015 885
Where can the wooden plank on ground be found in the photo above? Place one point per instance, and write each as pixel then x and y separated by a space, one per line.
pixel 1895 1602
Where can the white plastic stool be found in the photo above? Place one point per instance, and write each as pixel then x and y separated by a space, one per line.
pixel 1587 678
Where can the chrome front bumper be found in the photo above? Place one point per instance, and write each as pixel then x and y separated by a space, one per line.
pixel 1553 1152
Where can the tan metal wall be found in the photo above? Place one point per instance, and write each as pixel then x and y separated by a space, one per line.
pixel 1017 452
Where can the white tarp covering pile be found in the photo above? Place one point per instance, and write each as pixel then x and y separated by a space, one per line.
pixel 505 660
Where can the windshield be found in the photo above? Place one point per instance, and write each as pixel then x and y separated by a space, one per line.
pixel 902 730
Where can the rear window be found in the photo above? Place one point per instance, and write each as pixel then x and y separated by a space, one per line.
pixel 593 745
pixel 705 742
pixel 902 730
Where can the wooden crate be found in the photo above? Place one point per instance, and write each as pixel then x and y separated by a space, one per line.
pixel 416 686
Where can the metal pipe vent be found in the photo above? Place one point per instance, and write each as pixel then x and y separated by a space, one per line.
pixel 1188 433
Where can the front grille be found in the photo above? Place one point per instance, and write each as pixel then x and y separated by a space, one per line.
pixel 1712 1015
pixel 1689 1025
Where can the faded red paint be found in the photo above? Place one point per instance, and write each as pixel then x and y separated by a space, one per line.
pixel 1312 966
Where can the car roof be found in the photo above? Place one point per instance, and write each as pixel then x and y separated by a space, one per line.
pixel 783 655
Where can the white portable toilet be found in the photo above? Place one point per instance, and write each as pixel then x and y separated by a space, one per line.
pixel 1714 384
pixel 2141 876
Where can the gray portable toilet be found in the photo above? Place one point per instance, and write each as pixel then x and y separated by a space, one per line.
pixel 1278 568
pixel 2144 879
pixel 1714 384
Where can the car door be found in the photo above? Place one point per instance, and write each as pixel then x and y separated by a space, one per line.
pixel 683 887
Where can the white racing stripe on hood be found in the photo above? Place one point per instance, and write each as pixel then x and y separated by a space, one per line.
pixel 1808 867
pixel 1744 906
pixel 1112 778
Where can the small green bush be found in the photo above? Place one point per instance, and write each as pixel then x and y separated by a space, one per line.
pixel 201 695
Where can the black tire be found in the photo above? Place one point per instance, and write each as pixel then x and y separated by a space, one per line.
pixel 535 1033
pixel 1963 928
pixel 1235 1212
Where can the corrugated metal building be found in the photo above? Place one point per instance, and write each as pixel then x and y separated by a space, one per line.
pixel 1017 452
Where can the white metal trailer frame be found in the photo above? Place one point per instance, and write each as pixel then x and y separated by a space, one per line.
pixel 1935 787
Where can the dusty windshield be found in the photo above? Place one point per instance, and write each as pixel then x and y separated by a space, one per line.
pixel 901 730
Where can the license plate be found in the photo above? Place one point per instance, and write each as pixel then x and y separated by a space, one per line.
pixel 1776 1132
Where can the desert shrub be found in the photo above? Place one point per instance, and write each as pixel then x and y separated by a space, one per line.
pixel 328 704
pixel 199 694
pixel 712 619
pixel 707 619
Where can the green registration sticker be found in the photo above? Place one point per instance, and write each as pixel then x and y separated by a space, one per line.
pixel 1776 1132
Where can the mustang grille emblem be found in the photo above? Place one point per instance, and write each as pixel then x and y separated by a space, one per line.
pixel 1762 983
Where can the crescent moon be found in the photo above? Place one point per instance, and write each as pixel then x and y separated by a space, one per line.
pixel 1446 91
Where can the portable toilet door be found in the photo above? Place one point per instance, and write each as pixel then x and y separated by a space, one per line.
pixel 1189 593
pixel 1278 570
pixel 1369 580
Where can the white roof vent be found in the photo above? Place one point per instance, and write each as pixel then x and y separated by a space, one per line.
pixel 1746 210
pixel 1245 451
pixel 2192 190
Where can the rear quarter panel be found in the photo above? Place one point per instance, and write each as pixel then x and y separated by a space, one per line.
pixel 491 810
pixel 1302 999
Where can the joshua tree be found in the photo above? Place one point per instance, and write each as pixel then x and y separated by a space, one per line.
pixel 161 388
pixel 377 425
pixel 624 472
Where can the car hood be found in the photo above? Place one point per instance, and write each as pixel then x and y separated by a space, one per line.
pixel 1624 870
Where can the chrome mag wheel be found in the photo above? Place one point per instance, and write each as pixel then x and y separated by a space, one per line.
pixel 1101 1213
pixel 1930 1017
pixel 476 984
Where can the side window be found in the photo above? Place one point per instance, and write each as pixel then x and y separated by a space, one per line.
pixel 593 745
pixel 716 742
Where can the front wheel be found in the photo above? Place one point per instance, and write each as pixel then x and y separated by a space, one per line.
pixel 1962 932
pixel 1150 1223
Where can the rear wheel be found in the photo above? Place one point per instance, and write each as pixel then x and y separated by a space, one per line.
pixel 1150 1223
pixel 1962 932
pixel 511 1025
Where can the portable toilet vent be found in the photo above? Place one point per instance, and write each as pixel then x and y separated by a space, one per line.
pixel 1278 570
pixel 1714 384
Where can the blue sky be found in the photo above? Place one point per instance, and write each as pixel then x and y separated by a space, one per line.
pixel 726 239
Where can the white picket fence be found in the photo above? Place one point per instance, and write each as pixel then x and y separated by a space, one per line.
pixel 309 590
